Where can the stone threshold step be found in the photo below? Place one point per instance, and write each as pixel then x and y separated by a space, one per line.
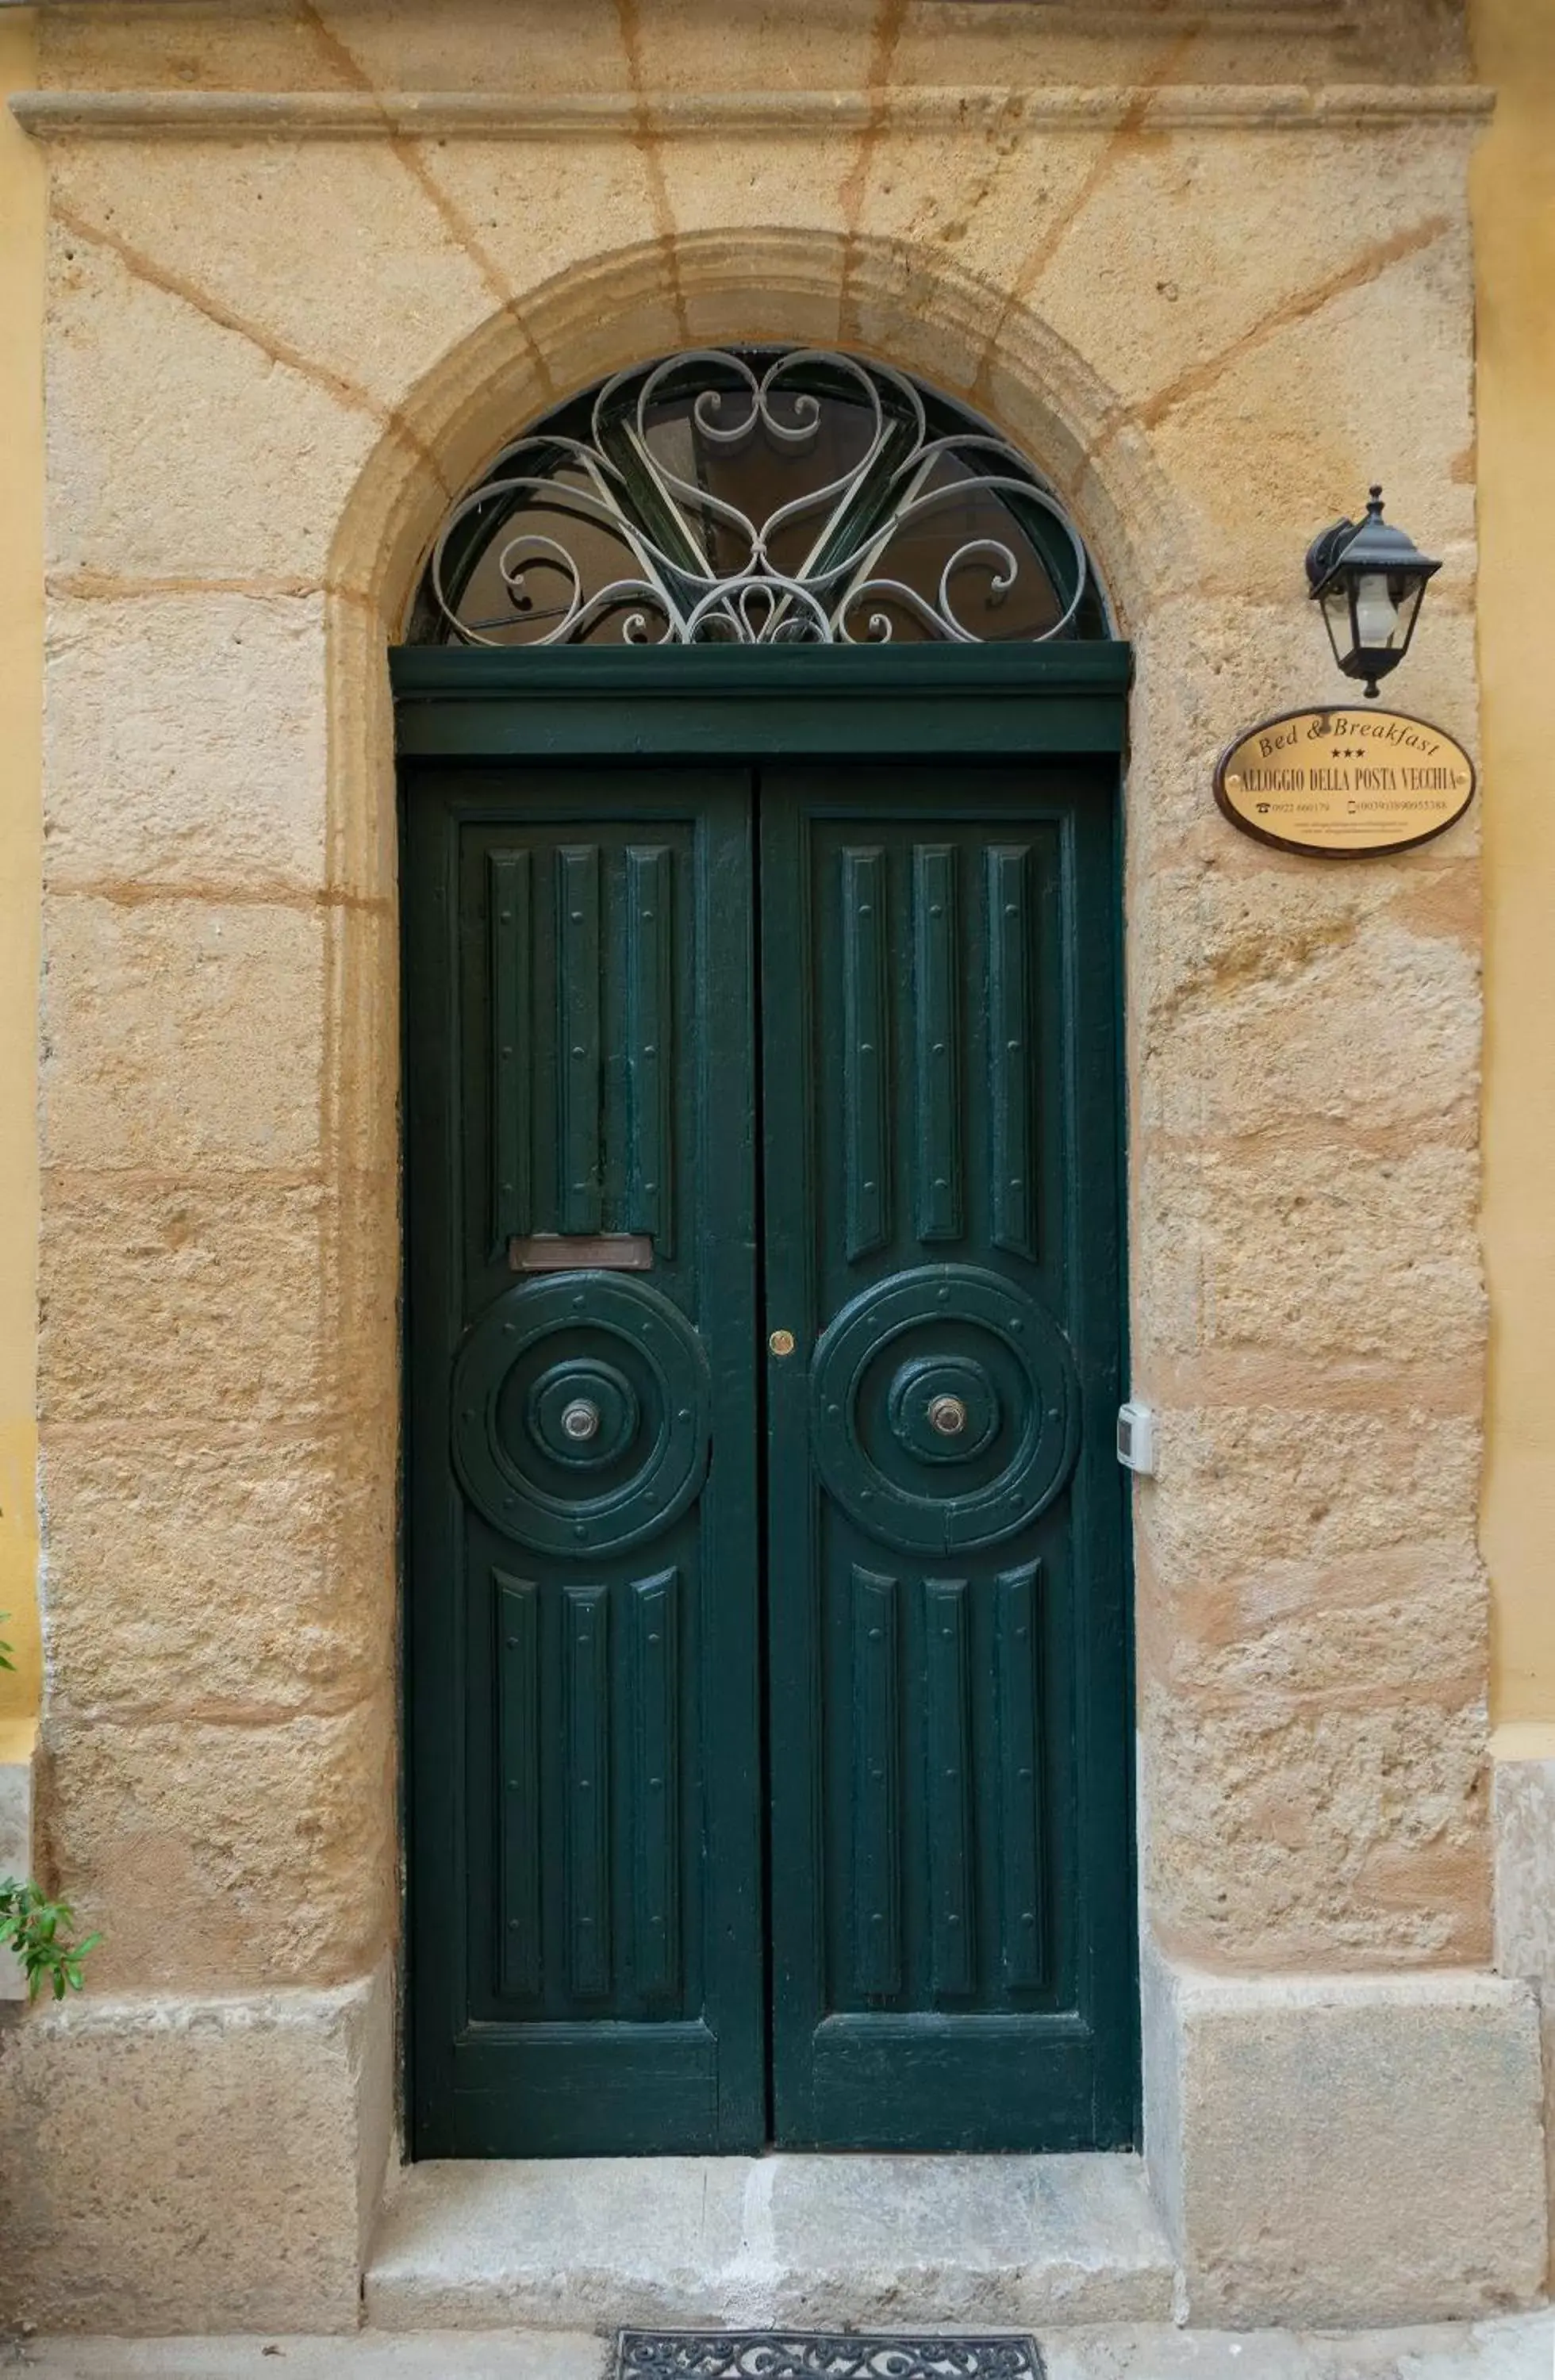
pixel 823 2242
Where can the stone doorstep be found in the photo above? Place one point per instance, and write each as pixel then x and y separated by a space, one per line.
pixel 823 2242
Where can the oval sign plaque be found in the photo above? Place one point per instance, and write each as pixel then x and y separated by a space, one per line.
pixel 1349 784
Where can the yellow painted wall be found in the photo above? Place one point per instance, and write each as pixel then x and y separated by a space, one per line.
pixel 21 645
pixel 1514 228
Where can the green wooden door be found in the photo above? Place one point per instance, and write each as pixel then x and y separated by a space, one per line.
pixel 769 1710
pixel 951 1913
pixel 582 1641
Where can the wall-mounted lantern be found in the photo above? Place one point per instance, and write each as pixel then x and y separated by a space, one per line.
pixel 1370 581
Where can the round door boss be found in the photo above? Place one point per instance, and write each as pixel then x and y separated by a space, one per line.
pixel 944 1409
pixel 580 1414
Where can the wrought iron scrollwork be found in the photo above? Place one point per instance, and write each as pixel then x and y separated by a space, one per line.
pixel 895 513
pixel 774 2355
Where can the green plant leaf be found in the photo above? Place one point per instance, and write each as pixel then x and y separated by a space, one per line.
pixel 38 1930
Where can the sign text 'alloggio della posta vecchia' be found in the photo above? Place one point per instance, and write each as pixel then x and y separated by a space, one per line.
pixel 1347 784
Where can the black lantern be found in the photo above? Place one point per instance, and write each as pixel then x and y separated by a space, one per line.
pixel 1370 582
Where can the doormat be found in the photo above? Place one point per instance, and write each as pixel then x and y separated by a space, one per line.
pixel 821 2355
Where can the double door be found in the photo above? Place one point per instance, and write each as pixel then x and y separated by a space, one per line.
pixel 765 1651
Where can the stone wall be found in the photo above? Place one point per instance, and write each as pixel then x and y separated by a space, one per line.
pixel 310 268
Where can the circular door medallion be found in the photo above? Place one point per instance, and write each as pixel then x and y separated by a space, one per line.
pixel 580 1414
pixel 945 1410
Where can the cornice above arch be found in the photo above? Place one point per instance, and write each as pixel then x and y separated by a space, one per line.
pixel 480 115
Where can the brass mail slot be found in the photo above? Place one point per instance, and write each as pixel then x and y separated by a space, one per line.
pixel 581 1252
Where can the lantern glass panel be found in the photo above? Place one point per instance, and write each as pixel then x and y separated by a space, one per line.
pixel 1341 628
pixel 1378 617
pixel 1411 595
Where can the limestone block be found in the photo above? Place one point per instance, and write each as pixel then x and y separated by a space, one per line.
pixel 992 198
pixel 363 809
pixel 360 1101
pixel 477 44
pixel 1407 1621
pixel 719 307
pixel 970 2242
pixel 1191 245
pixel 219 1305
pixel 227 1848
pixel 1523 1825
pixel 1296 1829
pixel 182 1033
pixel 1265 1498
pixel 1317 427
pixel 170 49
pixel 1278 997
pixel 539 208
pixel 335 253
pixel 179 446
pixel 184 742
pixel 1028 48
pixel 1323 1250
pixel 217 1569
pixel 184 2163
pixel 788 182
pixel 700 45
pixel 1346 2149
pixel 924 313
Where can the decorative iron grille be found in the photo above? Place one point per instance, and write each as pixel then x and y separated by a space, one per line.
pixel 758 497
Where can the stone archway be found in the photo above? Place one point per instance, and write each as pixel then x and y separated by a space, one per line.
pixel 922 314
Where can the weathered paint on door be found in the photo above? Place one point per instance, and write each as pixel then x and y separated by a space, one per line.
pixel 770 1717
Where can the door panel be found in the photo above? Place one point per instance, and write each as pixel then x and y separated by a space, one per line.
pixel 948 1692
pixel 582 1492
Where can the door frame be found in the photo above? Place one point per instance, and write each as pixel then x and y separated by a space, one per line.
pixel 780 702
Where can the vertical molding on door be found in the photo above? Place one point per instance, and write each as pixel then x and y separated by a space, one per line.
pixel 517 1607
pixel 586 1666
pixel 877 1799
pixel 651 1055
pixel 510 919
pixel 578 1054
pixel 866 1124
pixel 948 1756
pixel 937 1039
pixel 655 1608
pixel 1010 1055
pixel 1023 1930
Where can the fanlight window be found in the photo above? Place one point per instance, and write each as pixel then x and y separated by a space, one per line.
pixel 759 495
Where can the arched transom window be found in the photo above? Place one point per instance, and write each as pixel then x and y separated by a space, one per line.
pixel 759 495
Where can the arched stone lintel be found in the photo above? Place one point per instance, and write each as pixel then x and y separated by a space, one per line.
pixel 913 308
